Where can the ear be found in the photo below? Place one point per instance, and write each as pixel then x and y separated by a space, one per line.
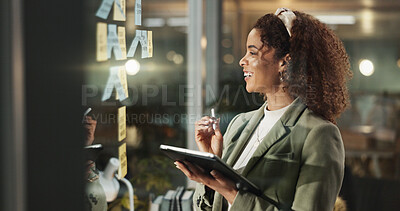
pixel 285 60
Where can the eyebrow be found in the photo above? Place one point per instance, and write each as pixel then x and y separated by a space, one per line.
pixel 252 46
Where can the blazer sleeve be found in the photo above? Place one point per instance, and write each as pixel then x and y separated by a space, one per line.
pixel 322 169
pixel 203 198
pixel 320 176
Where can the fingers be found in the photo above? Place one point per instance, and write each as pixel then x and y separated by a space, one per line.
pixel 217 130
pixel 223 181
pixel 193 172
pixel 89 120
pixel 218 176
pixel 183 168
pixel 206 124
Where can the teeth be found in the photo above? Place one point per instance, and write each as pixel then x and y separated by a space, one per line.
pixel 248 74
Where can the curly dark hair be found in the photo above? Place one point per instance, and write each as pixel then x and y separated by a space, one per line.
pixel 318 68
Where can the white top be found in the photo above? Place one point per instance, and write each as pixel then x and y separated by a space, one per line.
pixel 269 120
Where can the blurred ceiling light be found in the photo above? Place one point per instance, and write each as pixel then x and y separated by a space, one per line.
pixel 178 59
pixel 226 43
pixel 203 42
pixel 367 21
pixel 228 58
pixel 170 55
pixel 154 22
pixel 368 3
pixel 132 67
pixel 337 19
pixel 178 21
pixel 366 67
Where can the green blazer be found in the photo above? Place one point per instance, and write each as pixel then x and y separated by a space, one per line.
pixel 299 164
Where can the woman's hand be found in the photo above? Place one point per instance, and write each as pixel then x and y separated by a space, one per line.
pixel 89 125
pixel 208 139
pixel 215 181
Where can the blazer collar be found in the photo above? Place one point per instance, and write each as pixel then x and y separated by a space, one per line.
pixel 277 132
pixel 245 135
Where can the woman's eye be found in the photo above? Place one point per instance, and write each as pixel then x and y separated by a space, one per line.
pixel 252 53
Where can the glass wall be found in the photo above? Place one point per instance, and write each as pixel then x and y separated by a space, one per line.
pixel 152 91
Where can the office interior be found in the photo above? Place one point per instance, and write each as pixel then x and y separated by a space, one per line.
pixel 51 73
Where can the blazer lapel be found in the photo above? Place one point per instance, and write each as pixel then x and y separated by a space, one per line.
pixel 244 137
pixel 277 133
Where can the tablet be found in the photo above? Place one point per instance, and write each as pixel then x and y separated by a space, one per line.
pixel 210 162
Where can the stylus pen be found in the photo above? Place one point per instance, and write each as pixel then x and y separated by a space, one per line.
pixel 86 113
pixel 213 116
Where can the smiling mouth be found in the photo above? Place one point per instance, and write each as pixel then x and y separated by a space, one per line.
pixel 248 74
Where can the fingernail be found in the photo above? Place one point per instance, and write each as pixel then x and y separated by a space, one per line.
pixel 212 173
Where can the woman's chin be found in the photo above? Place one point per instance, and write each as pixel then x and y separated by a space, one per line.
pixel 249 89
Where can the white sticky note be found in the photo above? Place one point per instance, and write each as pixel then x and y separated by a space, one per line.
pixel 138 12
pixel 143 43
pixel 134 44
pixel 141 36
pixel 123 167
pixel 101 42
pixel 114 81
pixel 113 42
pixel 122 41
pixel 104 9
pixel 123 80
pixel 121 123
pixel 150 43
pixel 119 10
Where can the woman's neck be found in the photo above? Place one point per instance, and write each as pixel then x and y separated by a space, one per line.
pixel 278 100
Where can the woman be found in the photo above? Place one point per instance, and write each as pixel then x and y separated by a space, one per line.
pixel 290 147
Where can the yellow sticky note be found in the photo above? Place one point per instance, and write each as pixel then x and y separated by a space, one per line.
pixel 119 10
pixel 101 42
pixel 124 82
pixel 150 43
pixel 121 123
pixel 122 41
pixel 123 167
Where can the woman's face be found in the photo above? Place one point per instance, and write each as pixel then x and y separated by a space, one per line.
pixel 261 69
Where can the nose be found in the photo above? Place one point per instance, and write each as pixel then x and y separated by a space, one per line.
pixel 243 61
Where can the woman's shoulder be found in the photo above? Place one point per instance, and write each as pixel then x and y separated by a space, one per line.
pixel 311 120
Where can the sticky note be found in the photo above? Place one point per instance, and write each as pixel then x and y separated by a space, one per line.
pixel 101 42
pixel 119 10
pixel 104 9
pixel 142 38
pixel 114 81
pixel 143 43
pixel 138 12
pixel 121 123
pixel 134 44
pixel 123 80
pixel 123 167
pixel 122 41
pixel 113 43
pixel 150 43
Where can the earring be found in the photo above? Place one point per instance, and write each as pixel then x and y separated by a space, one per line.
pixel 281 76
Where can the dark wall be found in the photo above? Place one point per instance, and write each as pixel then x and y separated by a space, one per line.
pixel 53 32
pixel 6 183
